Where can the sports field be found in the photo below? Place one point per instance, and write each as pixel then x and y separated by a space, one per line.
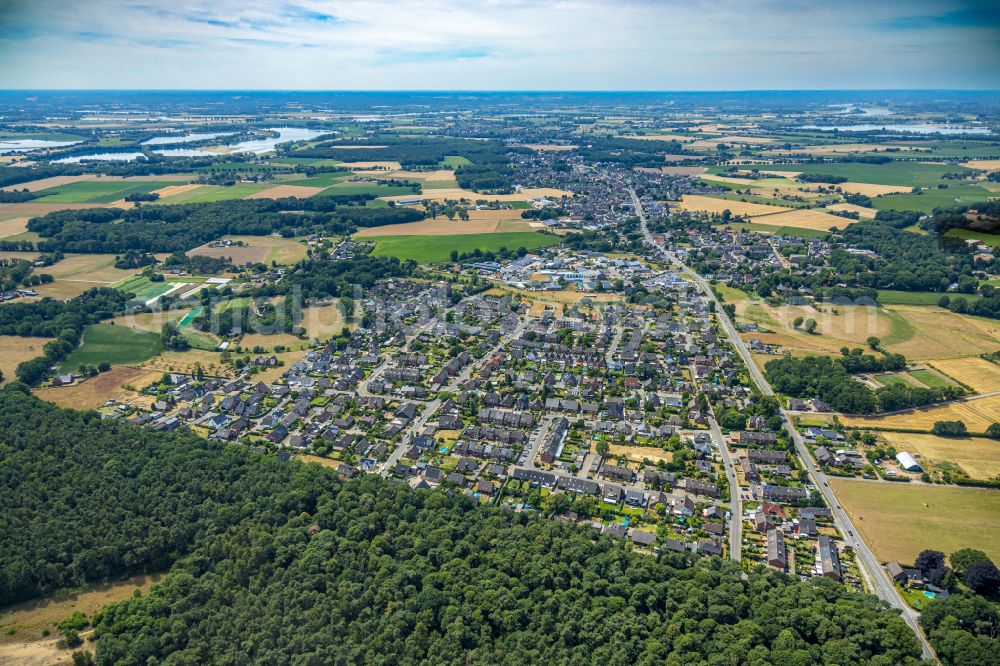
pixel 116 345
pixel 978 457
pixel 437 249
pixel 899 520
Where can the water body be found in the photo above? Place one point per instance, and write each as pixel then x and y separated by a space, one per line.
pixel 911 129
pixel 266 145
pixel 27 145
pixel 101 157
pixel 184 138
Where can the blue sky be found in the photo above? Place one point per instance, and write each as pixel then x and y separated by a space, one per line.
pixel 500 44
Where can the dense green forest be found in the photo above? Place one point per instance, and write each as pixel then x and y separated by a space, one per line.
pixel 183 227
pixel 281 559
pixel 830 380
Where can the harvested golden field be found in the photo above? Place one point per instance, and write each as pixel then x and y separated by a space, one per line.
pixel 698 203
pixel 94 392
pixel 977 414
pixel 980 374
pixel 639 453
pixel 804 218
pixel 978 457
pixel 34 209
pixel 89 268
pixel 149 321
pixel 271 340
pixel 496 215
pixel 900 520
pixel 984 165
pixel 46 183
pixel 435 175
pixel 263 249
pixel 547 147
pixel 14 350
pixel 30 618
pixel 680 138
pixel 862 211
pixel 456 193
pixel 742 182
pixel 187 361
pixel 285 191
pixel 172 190
pixel 368 166
pixel 870 190
pixel 324 321
pixel 675 170
pixel 930 332
pixel 439 227
pixel 13 226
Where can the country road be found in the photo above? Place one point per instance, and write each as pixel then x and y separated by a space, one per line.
pixel 869 565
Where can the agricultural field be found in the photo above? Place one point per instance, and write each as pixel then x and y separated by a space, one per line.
pixel 286 191
pixel 437 249
pixel 116 345
pixel 210 193
pixel 14 350
pixel 982 375
pixel 928 200
pixel 376 189
pixel 977 414
pixel 102 191
pixel 968 234
pixel 908 174
pixel 771 230
pixel 979 457
pixel 918 332
pixel 812 219
pixel 13 226
pixel 121 383
pixel 458 194
pixel 257 249
pixel 703 204
pixel 76 273
pixel 145 289
pixel 900 520
pixel 442 226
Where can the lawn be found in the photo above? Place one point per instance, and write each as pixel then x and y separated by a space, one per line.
pixel 931 378
pixel 117 345
pixel 437 249
pixel 928 200
pixel 900 520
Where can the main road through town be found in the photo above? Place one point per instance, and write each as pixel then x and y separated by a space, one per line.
pixel 869 565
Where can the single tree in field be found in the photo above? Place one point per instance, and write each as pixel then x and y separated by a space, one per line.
pixel 810 325
pixel 873 342
pixel 798 321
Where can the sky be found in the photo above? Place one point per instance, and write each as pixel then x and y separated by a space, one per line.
pixel 499 44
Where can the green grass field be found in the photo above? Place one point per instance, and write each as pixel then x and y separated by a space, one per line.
pixel 117 345
pixel 455 161
pixel 96 191
pixel 928 200
pixel 768 229
pixel 990 239
pixel 910 174
pixel 321 180
pixel 143 288
pixel 241 301
pixel 892 297
pixel 891 379
pixel 211 193
pixel 931 378
pixel 364 188
pixel 437 249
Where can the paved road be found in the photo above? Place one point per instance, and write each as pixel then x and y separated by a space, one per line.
pixel 878 581
pixel 735 503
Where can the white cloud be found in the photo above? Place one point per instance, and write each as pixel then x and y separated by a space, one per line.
pixel 493 44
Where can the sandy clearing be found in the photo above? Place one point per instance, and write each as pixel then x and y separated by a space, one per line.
pixel 694 202
pixel 639 453
pixel 985 165
pixel 862 211
pixel 285 191
pixel 804 218
pixel 439 227
pixel 171 190
pixel 13 226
